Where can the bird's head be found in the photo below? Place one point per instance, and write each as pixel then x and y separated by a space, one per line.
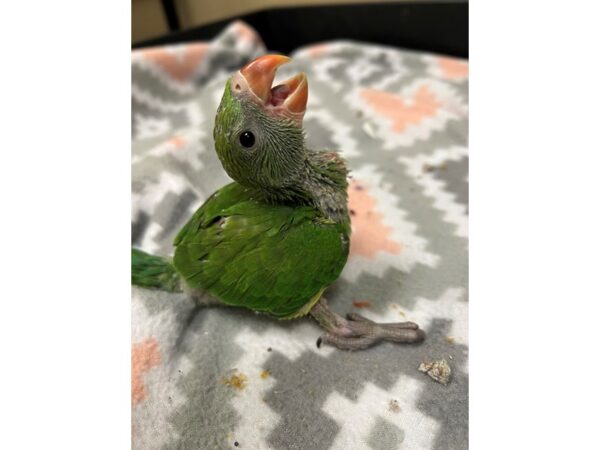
pixel 258 129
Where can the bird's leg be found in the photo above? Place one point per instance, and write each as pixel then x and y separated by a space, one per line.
pixel 356 332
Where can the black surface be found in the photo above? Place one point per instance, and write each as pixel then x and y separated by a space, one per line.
pixel 170 11
pixel 434 27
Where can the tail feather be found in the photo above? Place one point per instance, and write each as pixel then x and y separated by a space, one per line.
pixel 153 272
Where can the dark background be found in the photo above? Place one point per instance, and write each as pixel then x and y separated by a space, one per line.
pixel 440 27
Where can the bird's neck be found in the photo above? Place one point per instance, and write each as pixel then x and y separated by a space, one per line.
pixel 325 180
pixel 322 183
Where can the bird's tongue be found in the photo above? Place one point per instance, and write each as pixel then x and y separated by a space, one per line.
pixel 288 98
pixel 279 94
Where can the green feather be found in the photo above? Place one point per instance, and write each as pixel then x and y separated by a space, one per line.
pixel 270 258
pixel 153 272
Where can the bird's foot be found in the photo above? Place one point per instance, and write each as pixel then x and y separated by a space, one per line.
pixel 356 332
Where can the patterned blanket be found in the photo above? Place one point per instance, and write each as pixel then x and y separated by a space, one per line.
pixel 218 378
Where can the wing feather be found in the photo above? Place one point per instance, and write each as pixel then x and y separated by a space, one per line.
pixel 267 258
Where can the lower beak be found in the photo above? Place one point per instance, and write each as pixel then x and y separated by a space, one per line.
pixel 293 92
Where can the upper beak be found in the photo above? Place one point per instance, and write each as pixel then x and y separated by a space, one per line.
pixel 260 73
pixel 291 94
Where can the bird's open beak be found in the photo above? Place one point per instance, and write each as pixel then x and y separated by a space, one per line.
pixel 288 98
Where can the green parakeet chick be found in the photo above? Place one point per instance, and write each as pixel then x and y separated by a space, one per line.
pixel 277 237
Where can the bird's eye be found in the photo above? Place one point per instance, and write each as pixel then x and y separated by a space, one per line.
pixel 247 139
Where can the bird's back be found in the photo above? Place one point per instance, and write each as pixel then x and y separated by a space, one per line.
pixel 270 258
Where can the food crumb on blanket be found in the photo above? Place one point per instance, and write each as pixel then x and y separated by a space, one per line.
pixel 369 130
pixel 450 339
pixel 265 374
pixel 393 406
pixel 361 304
pixel 236 381
pixel 396 307
pixel 438 370
pixel 431 167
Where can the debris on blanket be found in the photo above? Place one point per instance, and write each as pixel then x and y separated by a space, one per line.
pixel 431 168
pixel 369 130
pixel 397 308
pixel 265 374
pixel 438 370
pixel 361 303
pixel 450 340
pixel 237 381
pixel 393 406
